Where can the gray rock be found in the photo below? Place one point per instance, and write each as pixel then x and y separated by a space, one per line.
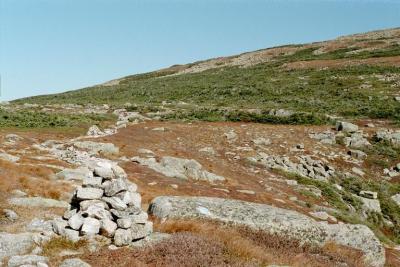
pixel 140 231
pixel 358 154
pixel 38 202
pixel 122 237
pixel 179 168
pixel 97 211
pixel 69 213
pixel 114 187
pixel 288 223
pixel 59 226
pixel 105 171
pixel 130 198
pixel 16 261
pixel 261 141
pixel 16 244
pixel 389 135
pixel 119 172
pixel 84 205
pixel 115 203
pixel 396 198
pixel 10 215
pixel 78 174
pixel 39 225
pixel 8 157
pixel 357 171
pixel 74 263
pixel 231 136
pixel 208 151
pixel 90 226
pixel 88 193
pixel 124 223
pixel 92 182
pixel 94 131
pixel 71 235
pixel 346 127
pixel 76 221
pixel 369 194
pixel 97 148
pixel 108 228
pixel 326 137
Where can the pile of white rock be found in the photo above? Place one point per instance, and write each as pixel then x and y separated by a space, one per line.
pixel 106 204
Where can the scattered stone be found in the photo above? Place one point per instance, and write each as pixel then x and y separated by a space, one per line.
pixel 208 151
pixel 248 192
pixel 261 141
pixel 280 113
pixel 396 198
pixel 231 136
pixel 94 131
pixel 8 157
pixel 389 135
pixel 10 215
pixel 300 146
pixel 39 225
pixel 159 129
pixel 357 171
pixel 307 167
pixel 326 137
pixel 358 154
pixel 369 194
pixel 356 140
pixel 272 220
pixel 18 193
pixel 346 127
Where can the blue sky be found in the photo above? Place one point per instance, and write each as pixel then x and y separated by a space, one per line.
pixel 49 46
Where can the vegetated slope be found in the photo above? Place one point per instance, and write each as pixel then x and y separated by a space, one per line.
pixel 355 75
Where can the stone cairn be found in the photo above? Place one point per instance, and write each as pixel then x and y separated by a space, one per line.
pixel 106 204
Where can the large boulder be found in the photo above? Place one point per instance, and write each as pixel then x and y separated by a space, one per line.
pixel 288 223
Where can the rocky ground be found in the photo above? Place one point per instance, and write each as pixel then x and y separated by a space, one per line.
pixel 201 193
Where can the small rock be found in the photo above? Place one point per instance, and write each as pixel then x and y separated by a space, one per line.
pixel 10 215
pixel 369 194
pixel 357 171
pixel 76 221
pixel 90 226
pixel 346 127
pixel 248 192
pixel 108 228
pixel 87 193
pixel 74 263
pixel 122 237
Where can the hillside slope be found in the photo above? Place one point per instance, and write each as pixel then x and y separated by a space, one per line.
pixel 356 75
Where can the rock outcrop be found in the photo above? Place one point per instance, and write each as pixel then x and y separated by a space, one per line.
pixel 290 224
pixel 306 166
pixel 179 168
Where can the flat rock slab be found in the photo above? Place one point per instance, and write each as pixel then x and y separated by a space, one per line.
pixel 75 262
pixel 287 223
pixel 16 244
pixel 37 202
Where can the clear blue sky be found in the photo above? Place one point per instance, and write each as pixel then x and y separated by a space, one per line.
pixel 49 46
